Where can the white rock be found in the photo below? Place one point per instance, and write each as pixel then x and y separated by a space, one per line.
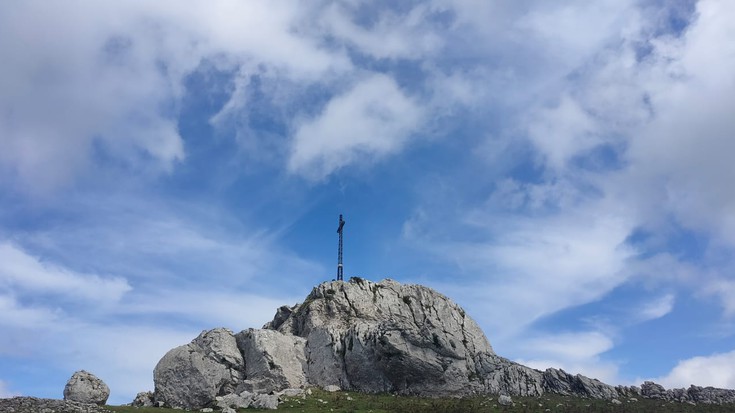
pixel 191 376
pixel 332 388
pixel 143 399
pixel 291 392
pixel 235 401
pixel 386 336
pixel 505 400
pixel 275 361
pixel 265 401
pixel 85 387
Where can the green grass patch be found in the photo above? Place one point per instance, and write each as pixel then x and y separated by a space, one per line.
pixel 351 402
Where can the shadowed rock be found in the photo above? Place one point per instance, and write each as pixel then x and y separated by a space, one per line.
pixel 386 336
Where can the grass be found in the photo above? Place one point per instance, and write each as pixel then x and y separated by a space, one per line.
pixel 351 402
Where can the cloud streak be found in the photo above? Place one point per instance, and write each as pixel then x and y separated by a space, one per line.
pixel 28 274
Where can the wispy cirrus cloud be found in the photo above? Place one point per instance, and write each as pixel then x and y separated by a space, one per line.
pixel 28 274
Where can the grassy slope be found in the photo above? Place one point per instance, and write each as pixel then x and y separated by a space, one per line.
pixel 361 403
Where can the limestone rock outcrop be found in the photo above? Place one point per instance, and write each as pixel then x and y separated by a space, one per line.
pixel 560 382
pixel 275 361
pixel 386 337
pixel 693 394
pixel 369 337
pixel 144 399
pixel 85 387
pixel 191 376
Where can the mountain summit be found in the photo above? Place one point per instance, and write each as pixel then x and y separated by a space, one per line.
pixel 370 337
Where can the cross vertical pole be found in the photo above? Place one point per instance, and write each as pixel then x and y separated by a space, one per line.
pixel 340 275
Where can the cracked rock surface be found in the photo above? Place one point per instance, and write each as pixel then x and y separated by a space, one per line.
pixel 386 337
pixel 370 337
pixel 191 376
pixel 85 387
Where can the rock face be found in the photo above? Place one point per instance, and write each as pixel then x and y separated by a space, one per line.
pixel 191 376
pixel 694 394
pixel 275 361
pixel 561 382
pixel 386 337
pixel 369 337
pixel 85 387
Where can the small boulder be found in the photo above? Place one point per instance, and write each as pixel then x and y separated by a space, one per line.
pixel 143 399
pixel 265 401
pixel 505 400
pixel 85 387
pixel 235 401
pixel 331 388
pixel 291 392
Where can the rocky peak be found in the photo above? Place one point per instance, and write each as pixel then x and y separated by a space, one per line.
pixel 417 311
pixel 372 337
pixel 385 336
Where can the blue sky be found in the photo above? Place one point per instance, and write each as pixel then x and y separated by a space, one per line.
pixel 563 170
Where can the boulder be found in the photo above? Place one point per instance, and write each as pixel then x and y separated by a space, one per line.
pixel 505 400
pixel 265 401
pixel 85 387
pixel 235 401
pixel 191 376
pixel 143 399
pixel 386 337
pixel 332 388
pixel 275 361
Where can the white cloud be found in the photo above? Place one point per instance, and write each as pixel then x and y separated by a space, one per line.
pixel 373 119
pixel 27 273
pixel 714 370
pixel 657 308
pixel 563 131
pixel 13 314
pixel 724 290
pixel 392 35
pixel 678 163
pixel 533 266
pixel 235 310
pixel 86 77
pixel 576 353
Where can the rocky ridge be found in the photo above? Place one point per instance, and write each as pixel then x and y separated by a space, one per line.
pixel 36 405
pixel 371 337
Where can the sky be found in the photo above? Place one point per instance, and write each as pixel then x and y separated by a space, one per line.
pixel 562 170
